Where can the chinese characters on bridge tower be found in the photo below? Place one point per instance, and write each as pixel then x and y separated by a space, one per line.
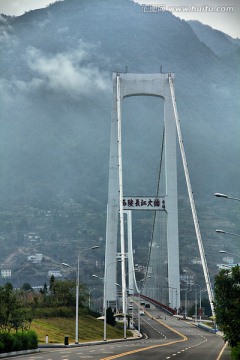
pixel 144 203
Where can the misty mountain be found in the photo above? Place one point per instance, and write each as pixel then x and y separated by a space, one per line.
pixel 220 43
pixel 56 98
pixel 56 93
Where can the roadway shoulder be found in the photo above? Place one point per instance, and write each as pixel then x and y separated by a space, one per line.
pixel 89 343
pixel 16 353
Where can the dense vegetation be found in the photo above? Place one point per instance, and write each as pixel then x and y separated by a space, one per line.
pixel 50 311
pixel 16 342
pixel 227 307
pixel 18 307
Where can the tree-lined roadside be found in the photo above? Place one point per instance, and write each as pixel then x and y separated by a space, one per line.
pixel 25 314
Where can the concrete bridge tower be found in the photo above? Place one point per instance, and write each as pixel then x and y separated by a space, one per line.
pixel 125 85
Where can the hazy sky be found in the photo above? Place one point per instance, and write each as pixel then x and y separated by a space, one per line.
pixel 223 15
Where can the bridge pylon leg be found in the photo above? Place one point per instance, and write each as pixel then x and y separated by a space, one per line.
pixel 150 85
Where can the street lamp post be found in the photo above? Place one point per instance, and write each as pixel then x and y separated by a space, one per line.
pixel 97 277
pixel 200 301
pixel 139 301
pixel 172 288
pixel 124 298
pixel 226 252
pixel 226 196
pixel 77 287
pixel 105 300
pixel 139 296
pixel 186 302
pixel 124 317
pixel 89 297
pixel 225 232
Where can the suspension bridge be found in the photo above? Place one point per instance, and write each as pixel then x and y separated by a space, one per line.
pixel 162 276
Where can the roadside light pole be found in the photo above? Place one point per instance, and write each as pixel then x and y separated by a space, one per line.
pixel 186 302
pixel 200 302
pixel 226 252
pixel 139 297
pixel 105 300
pixel 139 301
pixel 98 277
pixel 89 297
pixel 77 286
pixel 124 317
pixel 225 232
pixel 196 302
pixel 172 288
pixel 226 196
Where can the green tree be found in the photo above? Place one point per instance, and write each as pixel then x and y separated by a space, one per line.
pixel 227 304
pixel 63 293
pixel 7 305
pixel 44 290
pixel 51 284
pixel 26 287
pixel 29 302
pixel 14 309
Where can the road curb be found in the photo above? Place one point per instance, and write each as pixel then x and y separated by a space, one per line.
pixel 100 342
pixel 22 352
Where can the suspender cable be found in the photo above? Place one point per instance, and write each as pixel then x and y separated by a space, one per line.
pixel 190 194
pixel 155 213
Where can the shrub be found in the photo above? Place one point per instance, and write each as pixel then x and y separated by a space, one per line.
pixel 20 341
pixel 24 340
pixel 17 342
pixel 33 340
pixel 235 352
pixel 7 340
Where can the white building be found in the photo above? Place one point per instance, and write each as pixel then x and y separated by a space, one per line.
pixel 55 273
pixel 226 266
pixel 37 258
pixel 196 261
pixel 32 237
pixel 6 273
pixel 228 259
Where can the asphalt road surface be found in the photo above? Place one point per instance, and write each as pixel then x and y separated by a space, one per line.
pixel 165 337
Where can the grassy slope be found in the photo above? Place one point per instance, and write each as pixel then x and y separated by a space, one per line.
pixel 89 329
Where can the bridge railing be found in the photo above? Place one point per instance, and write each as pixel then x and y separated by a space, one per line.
pixel 162 306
